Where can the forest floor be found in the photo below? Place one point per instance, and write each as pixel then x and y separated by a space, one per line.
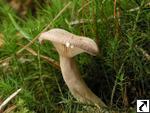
pixel 119 75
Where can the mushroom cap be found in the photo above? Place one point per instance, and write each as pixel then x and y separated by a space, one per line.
pixel 68 44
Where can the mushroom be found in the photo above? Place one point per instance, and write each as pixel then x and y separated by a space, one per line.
pixel 69 45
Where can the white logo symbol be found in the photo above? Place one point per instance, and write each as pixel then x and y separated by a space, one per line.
pixel 143 106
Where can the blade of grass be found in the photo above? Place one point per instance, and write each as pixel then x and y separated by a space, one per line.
pixel 26 35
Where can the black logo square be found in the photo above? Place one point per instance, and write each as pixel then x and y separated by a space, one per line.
pixel 143 106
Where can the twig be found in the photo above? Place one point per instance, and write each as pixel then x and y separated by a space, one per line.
pixel 84 6
pixel 9 98
pixel 134 9
pixel 115 8
pixel 117 17
pixel 48 59
pixel 83 21
pixel 10 109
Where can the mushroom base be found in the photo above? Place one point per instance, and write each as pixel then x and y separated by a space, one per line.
pixel 76 84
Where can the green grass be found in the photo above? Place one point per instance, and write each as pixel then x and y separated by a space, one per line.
pixel 119 75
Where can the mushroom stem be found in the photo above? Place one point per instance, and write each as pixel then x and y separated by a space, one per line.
pixel 76 84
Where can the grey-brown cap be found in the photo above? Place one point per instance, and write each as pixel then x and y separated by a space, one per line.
pixel 66 41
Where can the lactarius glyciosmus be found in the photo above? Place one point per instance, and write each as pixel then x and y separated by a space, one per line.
pixel 69 45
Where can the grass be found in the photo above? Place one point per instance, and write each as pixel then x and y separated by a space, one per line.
pixel 119 75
